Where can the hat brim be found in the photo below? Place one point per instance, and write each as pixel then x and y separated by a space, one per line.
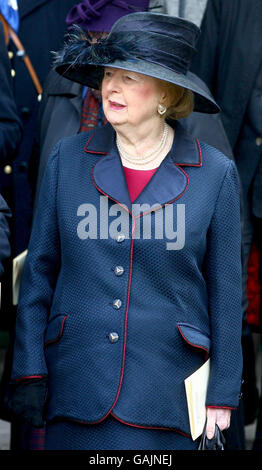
pixel 91 75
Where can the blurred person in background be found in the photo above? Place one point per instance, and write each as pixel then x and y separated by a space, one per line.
pixel 10 125
pixel 229 60
pixel 191 10
pixel 40 27
pixel 10 136
pixel 41 30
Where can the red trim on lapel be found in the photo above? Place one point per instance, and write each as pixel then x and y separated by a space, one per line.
pixel 51 341
pixel 200 155
pixel 93 151
pixel 105 194
pixel 172 200
pixel 194 345
pixel 104 137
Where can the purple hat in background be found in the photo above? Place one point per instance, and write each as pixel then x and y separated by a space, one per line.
pixel 100 15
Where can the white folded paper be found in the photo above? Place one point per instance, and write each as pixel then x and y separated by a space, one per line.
pixel 196 390
pixel 18 267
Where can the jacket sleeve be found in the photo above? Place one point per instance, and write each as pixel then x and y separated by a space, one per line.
pixel 39 280
pixel 224 284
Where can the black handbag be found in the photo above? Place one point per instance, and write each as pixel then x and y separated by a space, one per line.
pixel 216 443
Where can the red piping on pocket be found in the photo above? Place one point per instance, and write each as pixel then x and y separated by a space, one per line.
pixel 51 341
pixel 30 377
pixel 192 344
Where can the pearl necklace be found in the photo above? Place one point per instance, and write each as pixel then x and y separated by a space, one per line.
pixel 148 157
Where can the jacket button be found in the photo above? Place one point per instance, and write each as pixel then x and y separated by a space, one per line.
pixel 21 54
pixel 119 270
pixel 113 337
pixel 23 166
pixel 259 141
pixel 117 303
pixel 25 111
pixel 120 238
pixel 8 169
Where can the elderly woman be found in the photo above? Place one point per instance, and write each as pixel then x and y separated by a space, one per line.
pixel 133 275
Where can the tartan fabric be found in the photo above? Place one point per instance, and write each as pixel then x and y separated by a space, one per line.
pixel 37 439
pixel 92 113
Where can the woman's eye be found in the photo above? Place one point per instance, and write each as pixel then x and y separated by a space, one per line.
pixel 128 78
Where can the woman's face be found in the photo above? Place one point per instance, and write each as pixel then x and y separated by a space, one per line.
pixel 129 97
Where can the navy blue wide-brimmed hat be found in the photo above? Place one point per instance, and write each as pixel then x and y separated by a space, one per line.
pixel 153 44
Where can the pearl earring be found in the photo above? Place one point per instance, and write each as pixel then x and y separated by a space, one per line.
pixel 161 109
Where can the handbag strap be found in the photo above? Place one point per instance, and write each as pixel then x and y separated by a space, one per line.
pixel 10 33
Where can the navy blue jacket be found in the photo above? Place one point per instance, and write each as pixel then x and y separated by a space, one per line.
pixel 229 59
pixel 117 324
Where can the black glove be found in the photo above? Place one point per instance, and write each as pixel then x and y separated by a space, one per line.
pixel 26 400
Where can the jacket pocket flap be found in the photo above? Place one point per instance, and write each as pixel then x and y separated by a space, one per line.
pixel 194 336
pixel 55 329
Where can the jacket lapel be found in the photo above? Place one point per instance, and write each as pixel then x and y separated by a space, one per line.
pixel 168 183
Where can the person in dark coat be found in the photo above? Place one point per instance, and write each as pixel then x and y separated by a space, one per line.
pixel 10 126
pixel 10 137
pixel 41 30
pixel 229 60
pixel 126 316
